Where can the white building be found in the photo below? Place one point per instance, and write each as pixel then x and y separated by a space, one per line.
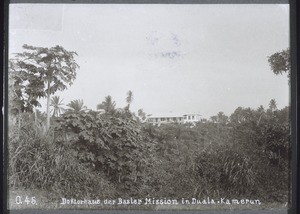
pixel 173 118
pixel 191 118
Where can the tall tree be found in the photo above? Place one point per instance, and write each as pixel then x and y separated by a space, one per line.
pixel 273 105
pixel 45 71
pixel 129 99
pixel 280 62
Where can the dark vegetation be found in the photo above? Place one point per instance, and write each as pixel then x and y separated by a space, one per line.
pixel 85 153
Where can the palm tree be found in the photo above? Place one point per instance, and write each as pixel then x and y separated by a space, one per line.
pixel 76 106
pixel 273 105
pixel 57 104
pixel 129 100
pixel 108 105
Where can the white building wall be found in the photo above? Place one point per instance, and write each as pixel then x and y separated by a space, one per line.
pixel 191 118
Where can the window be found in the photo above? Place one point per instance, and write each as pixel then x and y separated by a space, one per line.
pixel 189 117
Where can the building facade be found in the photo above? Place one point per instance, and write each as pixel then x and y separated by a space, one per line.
pixel 168 118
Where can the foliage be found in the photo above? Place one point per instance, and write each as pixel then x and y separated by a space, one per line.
pixel 76 106
pixel 272 105
pixel 247 156
pixel 264 138
pixel 129 100
pixel 37 162
pixel 280 62
pixel 40 73
pixel 111 145
pixel 142 114
pixel 56 104
pixel 242 155
pixel 108 105
pixel 23 89
pixel 42 65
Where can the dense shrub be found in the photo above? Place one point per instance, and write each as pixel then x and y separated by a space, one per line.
pixel 110 145
pixel 108 155
pixel 37 162
pixel 246 157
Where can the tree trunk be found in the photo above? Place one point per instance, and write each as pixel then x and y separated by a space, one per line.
pixel 35 118
pixel 19 123
pixel 48 107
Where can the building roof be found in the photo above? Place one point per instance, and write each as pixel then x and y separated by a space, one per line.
pixel 192 114
pixel 170 115
pixel 164 115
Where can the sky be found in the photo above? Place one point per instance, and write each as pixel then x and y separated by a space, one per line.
pixel 174 58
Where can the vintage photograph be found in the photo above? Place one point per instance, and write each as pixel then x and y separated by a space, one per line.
pixel 149 106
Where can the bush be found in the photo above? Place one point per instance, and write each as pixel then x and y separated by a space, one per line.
pixel 37 162
pixel 113 146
